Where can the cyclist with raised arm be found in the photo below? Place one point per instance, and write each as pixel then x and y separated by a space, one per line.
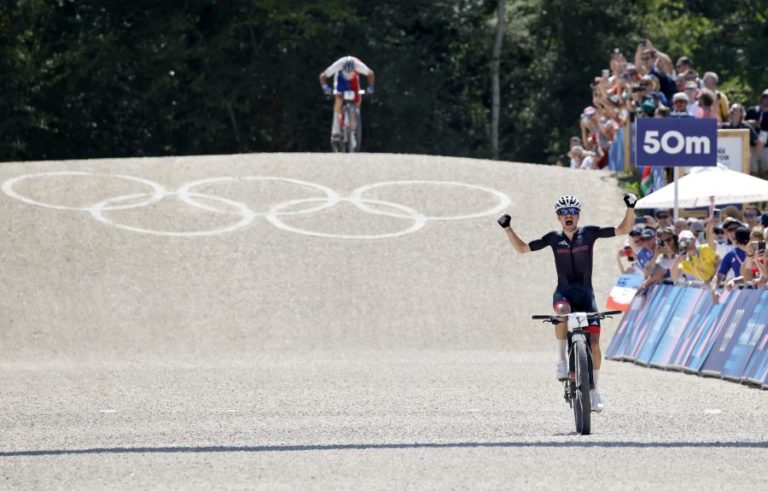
pixel 573 249
pixel 345 72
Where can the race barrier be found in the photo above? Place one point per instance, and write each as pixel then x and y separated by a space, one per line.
pixel 682 328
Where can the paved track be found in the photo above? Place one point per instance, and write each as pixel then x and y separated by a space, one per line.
pixel 270 357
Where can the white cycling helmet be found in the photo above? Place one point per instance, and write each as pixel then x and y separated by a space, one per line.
pixel 567 202
pixel 349 65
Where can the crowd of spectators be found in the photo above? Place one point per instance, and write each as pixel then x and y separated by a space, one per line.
pixel 651 86
pixel 724 250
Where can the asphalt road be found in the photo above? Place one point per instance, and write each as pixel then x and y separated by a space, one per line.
pixel 285 321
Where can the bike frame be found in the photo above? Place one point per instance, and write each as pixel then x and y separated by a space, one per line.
pixel 576 394
pixel 350 123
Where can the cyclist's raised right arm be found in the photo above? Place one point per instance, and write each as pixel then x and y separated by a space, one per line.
pixel 520 246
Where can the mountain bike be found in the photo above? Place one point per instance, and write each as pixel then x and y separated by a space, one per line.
pixel 580 381
pixel 350 124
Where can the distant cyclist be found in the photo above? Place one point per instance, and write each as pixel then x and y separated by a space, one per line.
pixel 573 248
pixel 345 72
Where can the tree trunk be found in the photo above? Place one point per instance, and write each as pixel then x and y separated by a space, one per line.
pixel 495 89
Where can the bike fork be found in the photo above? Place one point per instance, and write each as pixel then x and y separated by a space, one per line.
pixel 571 360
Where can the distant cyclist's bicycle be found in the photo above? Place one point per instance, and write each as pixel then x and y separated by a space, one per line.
pixel 350 124
pixel 580 381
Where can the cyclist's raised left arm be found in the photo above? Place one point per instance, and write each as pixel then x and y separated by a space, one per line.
pixel 629 217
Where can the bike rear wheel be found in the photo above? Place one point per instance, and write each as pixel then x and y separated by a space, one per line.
pixel 582 405
pixel 350 123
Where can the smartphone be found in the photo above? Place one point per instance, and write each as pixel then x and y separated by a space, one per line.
pixel 716 214
pixel 639 220
pixel 606 73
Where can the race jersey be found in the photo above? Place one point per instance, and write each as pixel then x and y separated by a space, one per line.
pixel 573 258
pixel 337 66
pixel 343 81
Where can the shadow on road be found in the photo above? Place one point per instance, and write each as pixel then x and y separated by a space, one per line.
pixel 379 446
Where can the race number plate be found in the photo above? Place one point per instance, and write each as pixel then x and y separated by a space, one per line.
pixel 349 95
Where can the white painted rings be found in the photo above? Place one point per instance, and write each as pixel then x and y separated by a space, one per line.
pixel 276 214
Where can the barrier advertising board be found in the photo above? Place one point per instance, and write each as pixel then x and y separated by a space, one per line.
pixel 682 328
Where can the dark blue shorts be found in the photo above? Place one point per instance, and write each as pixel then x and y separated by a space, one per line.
pixel 580 299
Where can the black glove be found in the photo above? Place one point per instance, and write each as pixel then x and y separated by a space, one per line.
pixel 504 220
pixel 630 199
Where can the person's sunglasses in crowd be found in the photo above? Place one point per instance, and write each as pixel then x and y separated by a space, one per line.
pixel 665 241
pixel 720 235
pixel 568 211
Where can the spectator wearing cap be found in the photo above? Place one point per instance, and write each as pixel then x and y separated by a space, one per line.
pixel 721 241
pixel 650 84
pixel 730 225
pixel 692 91
pixel 680 106
pixel 646 253
pixel 700 261
pixel 732 261
pixel 722 106
pixel 663 218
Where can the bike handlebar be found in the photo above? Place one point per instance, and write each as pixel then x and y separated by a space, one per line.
pixel 556 319
pixel 360 92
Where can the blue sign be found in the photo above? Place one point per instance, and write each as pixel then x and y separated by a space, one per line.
pixel 670 142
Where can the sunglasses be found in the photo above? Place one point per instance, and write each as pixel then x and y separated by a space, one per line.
pixel 568 211
pixel 668 240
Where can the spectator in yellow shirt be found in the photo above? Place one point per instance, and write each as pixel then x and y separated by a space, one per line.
pixel 700 261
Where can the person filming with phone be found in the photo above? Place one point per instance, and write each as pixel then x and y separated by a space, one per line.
pixel 700 261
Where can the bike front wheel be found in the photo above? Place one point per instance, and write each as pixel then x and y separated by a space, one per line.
pixel 582 405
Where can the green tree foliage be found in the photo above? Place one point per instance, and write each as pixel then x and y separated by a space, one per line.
pixel 134 77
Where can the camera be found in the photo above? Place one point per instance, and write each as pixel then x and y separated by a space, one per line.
pixel 660 243
pixel 683 246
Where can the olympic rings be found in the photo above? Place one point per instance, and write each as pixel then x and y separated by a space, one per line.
pixel 276 214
